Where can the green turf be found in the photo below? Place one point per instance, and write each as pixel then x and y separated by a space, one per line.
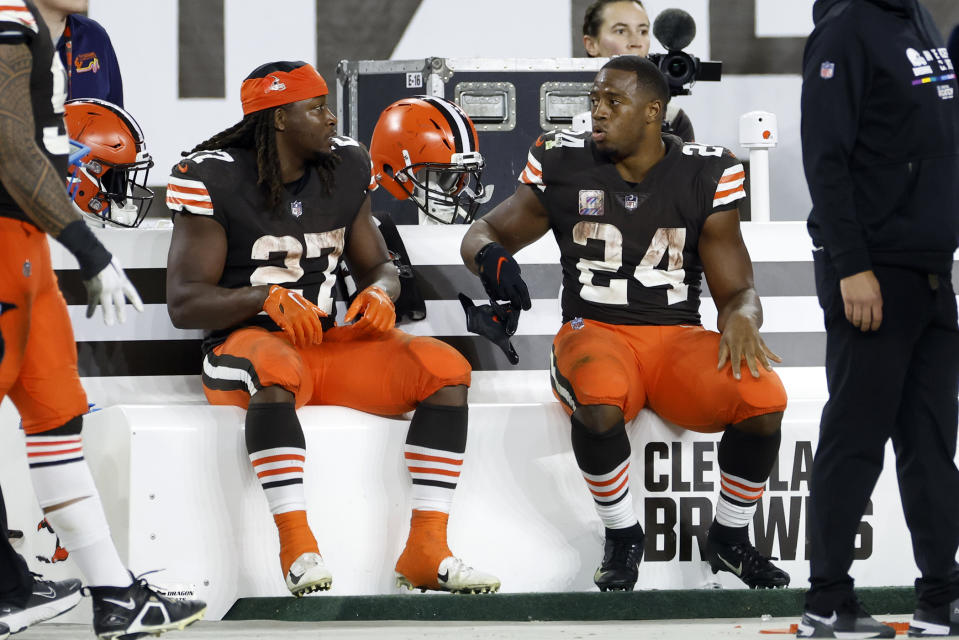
pixel 636 605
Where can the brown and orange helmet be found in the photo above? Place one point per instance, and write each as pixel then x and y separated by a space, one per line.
pixel 426 148
pixel 108 184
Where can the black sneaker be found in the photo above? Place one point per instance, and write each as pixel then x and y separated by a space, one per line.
pixel 849 621
pixel 125 613
pixel 4 631
pixel 929 622
pixel 744 560
pixel 620 567
pixel 48 600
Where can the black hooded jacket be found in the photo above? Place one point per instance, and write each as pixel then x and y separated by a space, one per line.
pixel 880 137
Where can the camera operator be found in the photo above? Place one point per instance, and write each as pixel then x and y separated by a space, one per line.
pixel 621 27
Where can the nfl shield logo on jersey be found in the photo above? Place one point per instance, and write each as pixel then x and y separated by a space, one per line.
pixel 631 201
pixel 827 70
pixel 590 202
pixel 296 208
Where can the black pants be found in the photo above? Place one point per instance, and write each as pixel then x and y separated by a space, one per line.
pixel 16 583
pixel 900 382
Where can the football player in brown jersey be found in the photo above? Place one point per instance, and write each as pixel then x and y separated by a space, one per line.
pixel 639 217
pixel 263 213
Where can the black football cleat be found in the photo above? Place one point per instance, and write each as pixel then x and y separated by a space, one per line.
pixel 620 567
pixel 48 600
pixel 126 613
pixel 850 620
pixel 4 631
pixel 744 561
pixel 929 622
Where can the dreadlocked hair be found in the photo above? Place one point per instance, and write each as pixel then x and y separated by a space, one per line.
pixel 256 131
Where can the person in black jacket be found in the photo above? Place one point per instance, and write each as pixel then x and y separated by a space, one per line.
pixel 880 136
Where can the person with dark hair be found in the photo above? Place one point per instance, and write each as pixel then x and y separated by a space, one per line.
pixel 639 216
pixel 621 27
pixel 39 367
pixel 880 142
pixel 263 213
pixel 85 51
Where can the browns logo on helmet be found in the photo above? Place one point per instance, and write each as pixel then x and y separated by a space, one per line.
pixel 425 149
pixel 108 184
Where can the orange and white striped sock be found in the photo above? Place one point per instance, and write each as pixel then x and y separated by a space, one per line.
pixel 435 446
pixel 745 462
pixel 610 491
pixel 603 459
pixel 435 473
pixel 737 500
pixel 280 472
pixel 277 449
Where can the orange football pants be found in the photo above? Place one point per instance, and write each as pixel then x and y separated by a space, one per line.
pixel 39 366
pixel 671 370
pixel 388 375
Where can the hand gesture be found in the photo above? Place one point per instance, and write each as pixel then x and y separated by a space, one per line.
pixel 375 308
pixel 740 341
pixel 111 289
pixel 494 322
pixel 295 315
pixel 501 277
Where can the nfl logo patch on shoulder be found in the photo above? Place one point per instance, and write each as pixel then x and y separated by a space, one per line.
pixel 827 70
pixel 296 208
pixel 590 202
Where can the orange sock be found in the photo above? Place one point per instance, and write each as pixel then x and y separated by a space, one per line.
pixel 425 548
pixel 295 537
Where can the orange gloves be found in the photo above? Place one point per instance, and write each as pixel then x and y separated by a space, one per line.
pixel 298 317
pixel 379 314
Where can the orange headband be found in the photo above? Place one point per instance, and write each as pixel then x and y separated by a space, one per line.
pixel 281 87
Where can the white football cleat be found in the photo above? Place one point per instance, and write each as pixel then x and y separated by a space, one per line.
pixel 455 576
pixel 308 574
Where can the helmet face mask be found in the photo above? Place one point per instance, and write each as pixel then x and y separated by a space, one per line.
pixel 447 193
pixel 120 197
pixel 424 149
pixel 108 184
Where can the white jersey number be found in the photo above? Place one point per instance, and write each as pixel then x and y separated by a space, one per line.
pixel 200 156
pixel 702 150
pixel 292 270
pixel 665 242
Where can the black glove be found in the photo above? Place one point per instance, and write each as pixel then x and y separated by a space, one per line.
pixel 501 276
pixel 495 322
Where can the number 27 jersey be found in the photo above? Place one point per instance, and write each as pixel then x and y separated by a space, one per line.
pixel 629 251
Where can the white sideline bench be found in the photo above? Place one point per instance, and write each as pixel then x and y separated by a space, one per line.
pixel 181 496
pixel 522 511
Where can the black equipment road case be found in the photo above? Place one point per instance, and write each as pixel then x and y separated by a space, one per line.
pixel 510 100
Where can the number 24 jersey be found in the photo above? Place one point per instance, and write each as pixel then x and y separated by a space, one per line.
pixel 629 251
